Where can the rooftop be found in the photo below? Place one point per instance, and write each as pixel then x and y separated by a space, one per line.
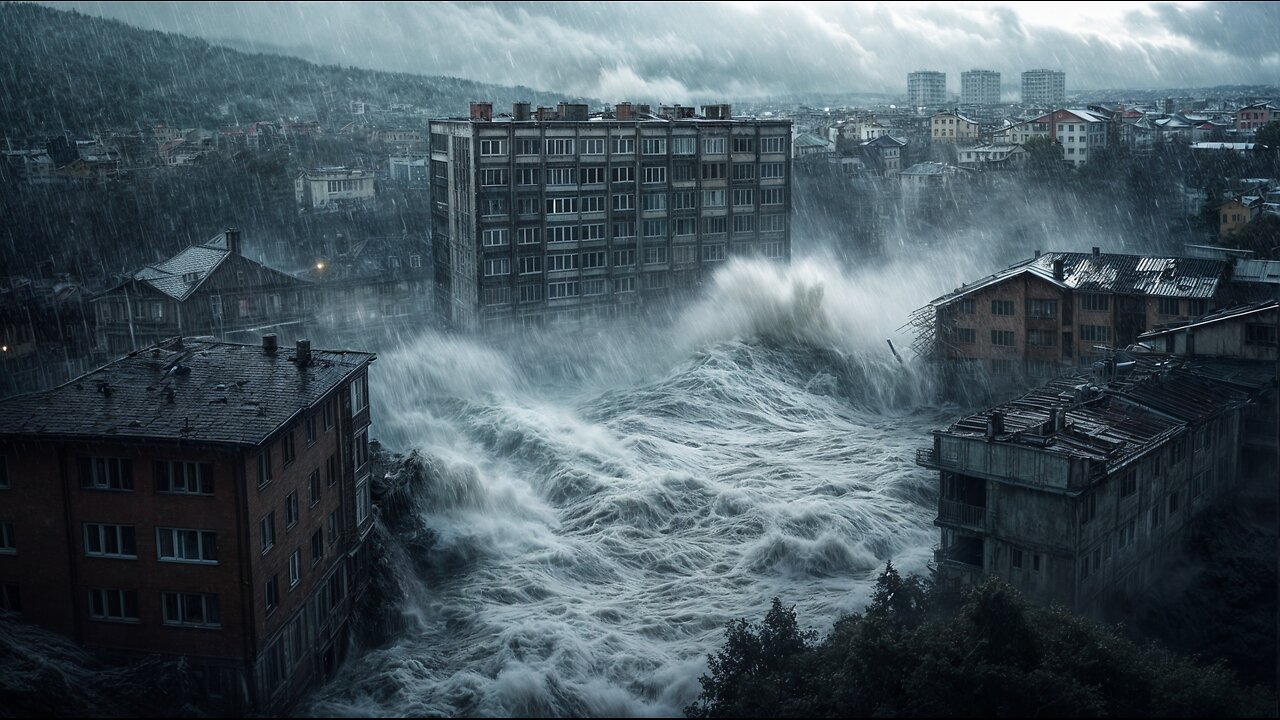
pixel 1115 273
pixel 184 389
pixel 1234 312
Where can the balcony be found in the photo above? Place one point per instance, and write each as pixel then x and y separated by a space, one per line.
pixel 951 512
pixel 926 457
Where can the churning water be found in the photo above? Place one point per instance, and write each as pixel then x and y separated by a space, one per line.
pixel 602 504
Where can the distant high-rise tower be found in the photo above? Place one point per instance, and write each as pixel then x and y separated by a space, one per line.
pixel 1044 88
pixel 927 87
pixel 980 87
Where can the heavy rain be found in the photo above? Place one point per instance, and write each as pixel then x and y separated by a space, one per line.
pixel 639 359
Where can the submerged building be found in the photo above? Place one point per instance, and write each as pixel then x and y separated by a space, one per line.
pixel 195 499
pixel 1077 491
pixel 560 215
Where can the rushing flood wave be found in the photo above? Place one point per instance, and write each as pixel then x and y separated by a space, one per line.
pixel 600 505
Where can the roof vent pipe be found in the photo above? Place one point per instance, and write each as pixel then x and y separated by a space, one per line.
pixel 303 353
pixel 1097 252
pixel 269 344
pixel 995 424
pixel 1059 269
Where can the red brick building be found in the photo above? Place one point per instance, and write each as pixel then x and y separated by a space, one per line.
pixel 1257 115
pixel 1043 316
pixel 195 498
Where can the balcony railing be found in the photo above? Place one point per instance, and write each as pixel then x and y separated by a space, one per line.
pixel 925 457
pixel 958 513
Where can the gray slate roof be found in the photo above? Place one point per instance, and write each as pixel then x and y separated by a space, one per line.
pixel 173 276
pixel 202 391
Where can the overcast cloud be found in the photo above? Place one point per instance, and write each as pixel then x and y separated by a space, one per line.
pixel 687 51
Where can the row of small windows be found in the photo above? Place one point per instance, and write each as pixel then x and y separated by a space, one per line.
pixel 680 227
pixel 1038 338
pixel 176 608
pixel 596 259
pixel 1092 302
pixel 650 175
pixel 618 145
pixel 682 200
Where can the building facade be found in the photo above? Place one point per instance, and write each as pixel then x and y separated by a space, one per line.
pixel 195 499
pixel 1078 491
pixel 927 88
pixel 979 88
pixel 1257 115
pixel 1058 311
pixel 208 289
pixel 332 188
pixel 1044 88
pixel 952 127
pixel 561 216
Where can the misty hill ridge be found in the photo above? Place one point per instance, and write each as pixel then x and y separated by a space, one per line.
pixel 62 70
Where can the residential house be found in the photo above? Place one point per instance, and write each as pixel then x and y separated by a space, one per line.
pixel 208 289
pixel 952 127
pixel 1251 117
pixel 1238 212
pixel 333 188
pixel 991 157
pixel 884 155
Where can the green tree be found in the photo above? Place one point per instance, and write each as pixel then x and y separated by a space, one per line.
pixel 1269 135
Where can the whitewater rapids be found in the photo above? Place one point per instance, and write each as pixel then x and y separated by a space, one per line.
pixel 603 503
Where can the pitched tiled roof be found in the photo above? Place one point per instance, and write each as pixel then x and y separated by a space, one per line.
pixel 200 391
pixel 1120 274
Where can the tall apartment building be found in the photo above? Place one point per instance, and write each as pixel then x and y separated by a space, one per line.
pixel 1044 88
pixel 979 88
pixel 1079 491
pixel 927 88
pixel 196 499
pixel 560 215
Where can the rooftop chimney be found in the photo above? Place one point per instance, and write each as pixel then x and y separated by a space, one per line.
pixel 482 111
pixel 545 113
pixel 303 353
pixel 269 344
pixel 722 111
pixel 1059 269
pixel 622 111
pixel 1037 254
pixel 1097 251
pixel 233 240
pixel 995 424
pixel 520 111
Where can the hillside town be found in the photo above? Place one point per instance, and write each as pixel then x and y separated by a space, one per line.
pixel 190 384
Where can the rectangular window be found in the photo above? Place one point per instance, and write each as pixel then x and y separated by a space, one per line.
pixel 1002 338
pixel 684 146
pixel 654 281
pixel 773 145
pixel 333 527
pixel 592 146
pixel 1095 333
pixel 1095 302
pixel 361 454
pixel 771 196
pixel 8 541
pixel 182 545
pixel 530 293
pixel 743 144
pixel 713 198
pixel 328 415
pixel 1001 307
pixel 622 174
pixel 562 176
pixel 593 287
pixel 1042 338
pixel 654 228
pixel 744 171
pixel 558 262
pixel 624 258
pixel 624 285
pixel 622 146
pixel 113 605
pixel 1258 334
pixel 112 541
pixel 331 469
pixel 493 207
pixel 497 295
pixel 309 429
pixel 562 233
pixel 684 200
pixel 771 249
pixel 190 609
pixel 359 394
pixel 295 568
pixel 1089 509
pixel 267 526
pixel 493 177
pixel 264 467
pixel 774 223
pixel 624 229
pixel 1128 483
pixel 496 267
pixel 744 223
pixel 530 264
pixel 653 201
pixel 1015 558
pixel 684 254
pixel 559 146
pixel 317 546
pixel 1042 308
pixel 527 206
pixel 593 260
pixel 713 145
pixel 715 225
pixel 714 252
pixel 684 172
pixel 494 238
pixel 655 175
pixel 624 201
pixel 526 176
pixel 558 290
pixel 653 146
pixel 290 452
pixel 364 501
pixel 493 147
pixel 1173 503
pixel 271 595
pixel 528 235
pixel 744 197
pixel 966 335
pixel 591 175
pixel 102 473
pixel 655 255
pixel 772 171
pixel 686 226
pixel 1167 306
pixel 290 511
pixel 712 171
pixel 185 478
pixel 561 205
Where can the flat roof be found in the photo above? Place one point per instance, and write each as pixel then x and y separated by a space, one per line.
pixel 194 390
